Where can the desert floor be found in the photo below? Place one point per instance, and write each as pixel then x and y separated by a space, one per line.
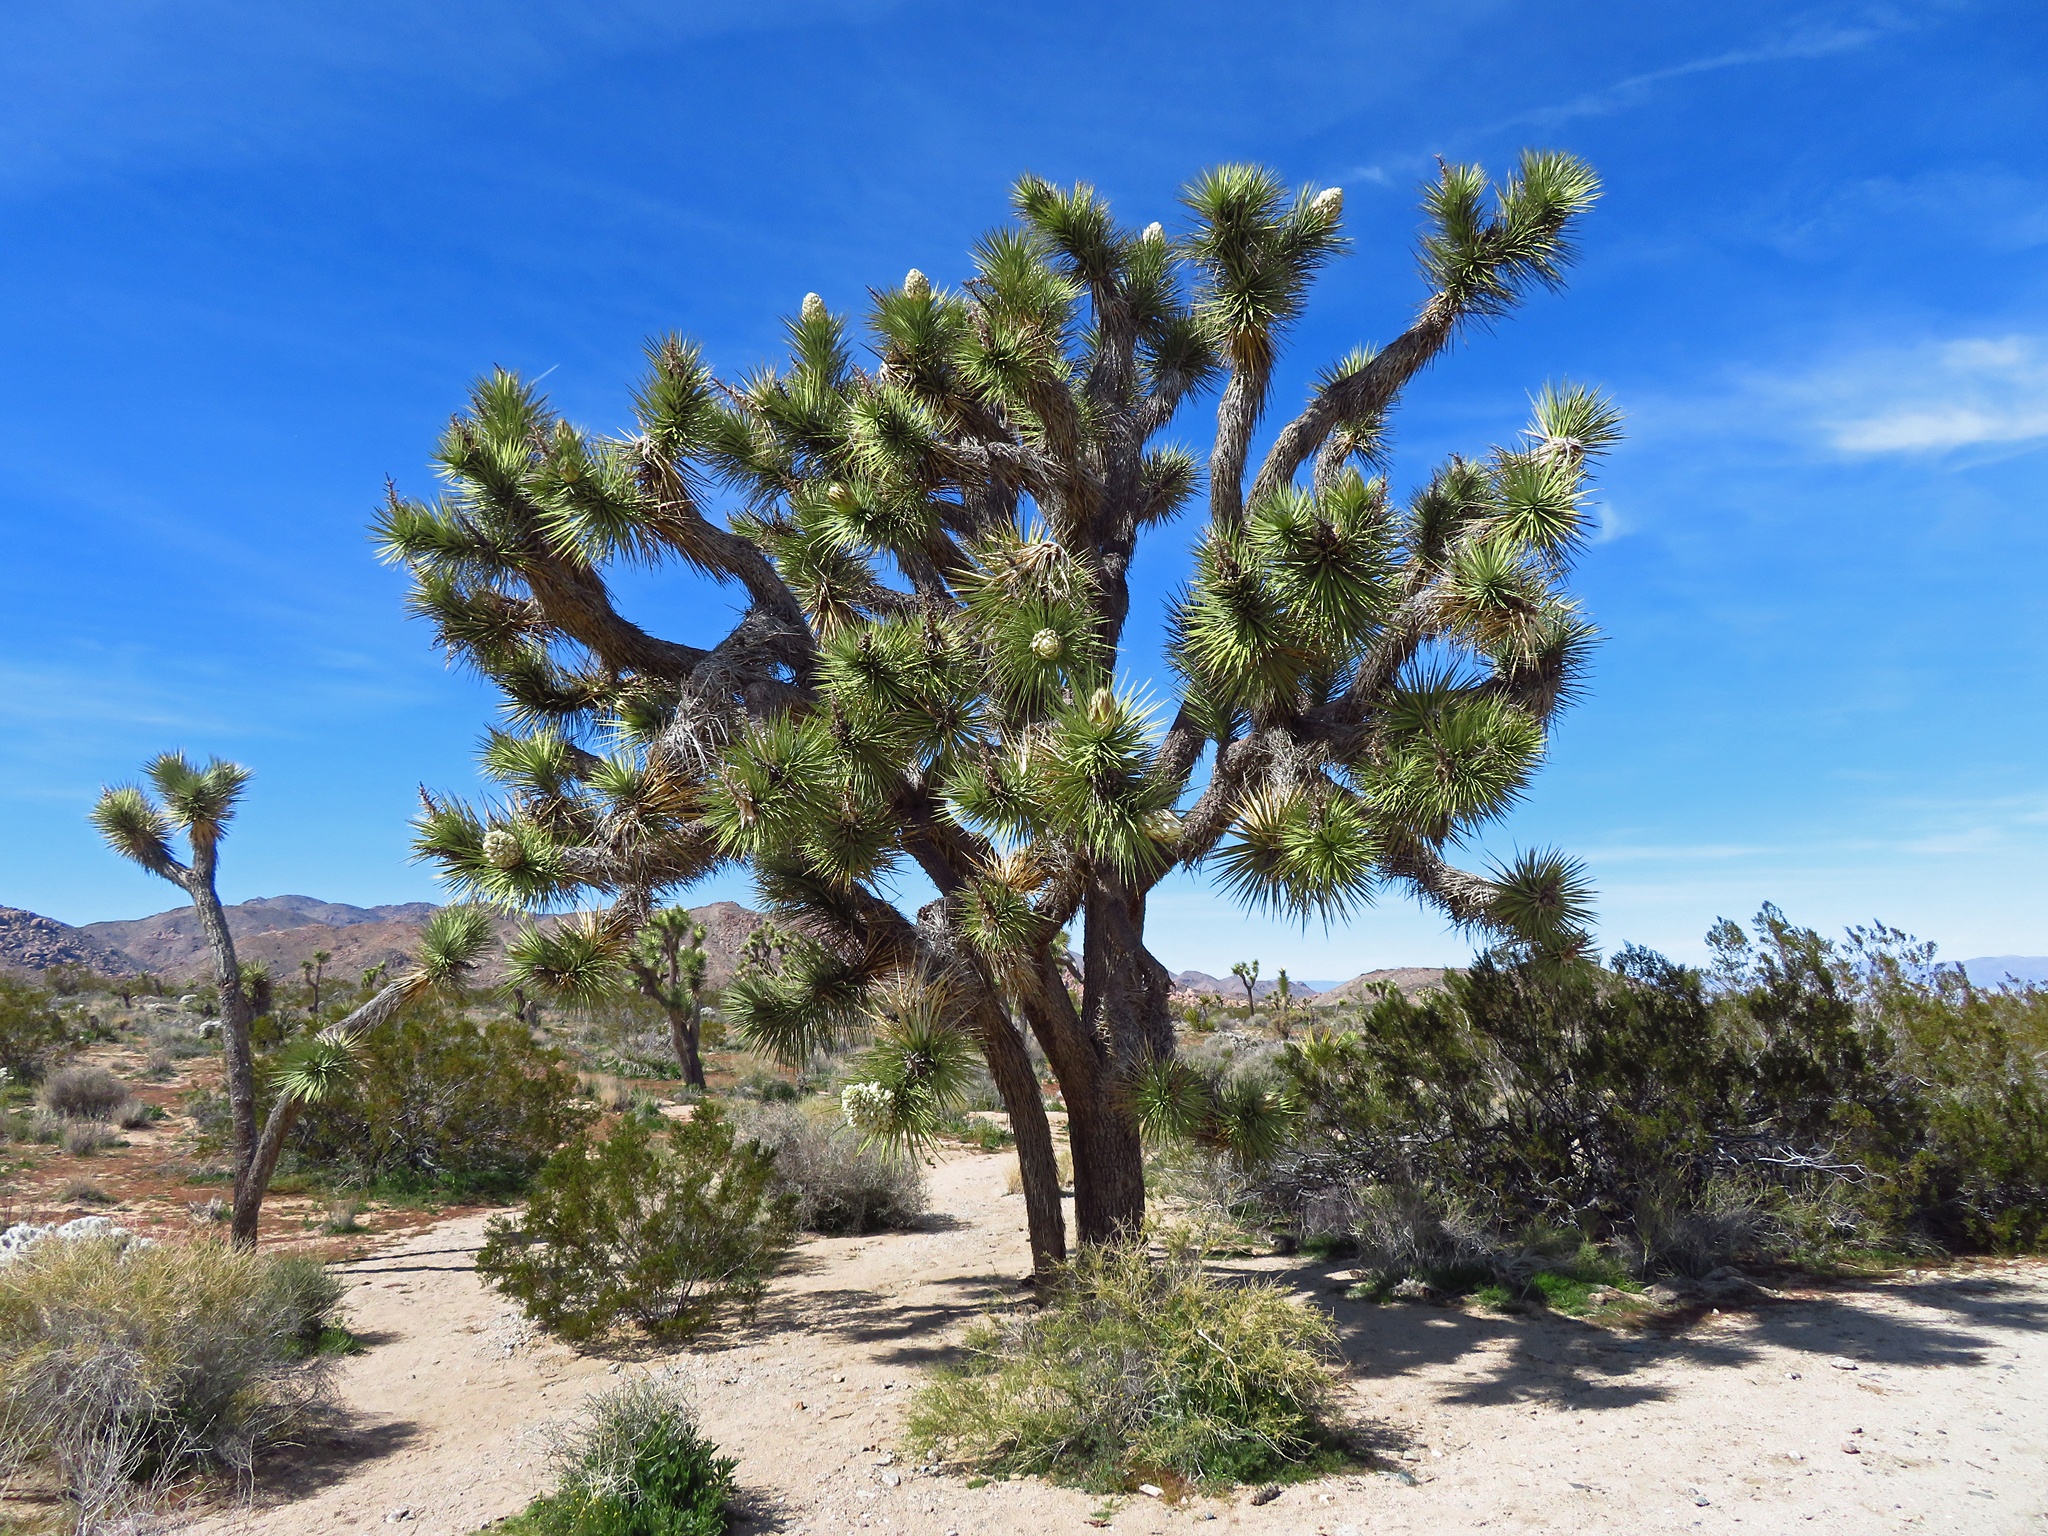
pixel 1917 1403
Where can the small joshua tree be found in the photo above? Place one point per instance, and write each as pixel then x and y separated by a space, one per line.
pixel 1247 974
pixel 935 547
pixel 664 962
pixel 670 967
pixel 199 803
pixel 313 970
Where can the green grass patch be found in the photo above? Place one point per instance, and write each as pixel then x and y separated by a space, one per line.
pixel 634 1465
pixel 1138 1370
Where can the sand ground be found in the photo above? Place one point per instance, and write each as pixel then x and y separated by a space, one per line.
pixel 1916 1404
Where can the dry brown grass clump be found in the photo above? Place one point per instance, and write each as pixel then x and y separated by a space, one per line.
pixel 125 1367
pixel 85 1093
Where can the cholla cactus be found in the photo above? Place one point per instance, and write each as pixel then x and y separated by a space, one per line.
pixel 935 557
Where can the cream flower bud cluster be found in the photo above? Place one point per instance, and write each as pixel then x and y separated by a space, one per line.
pixel 502 850
pixel 867 1106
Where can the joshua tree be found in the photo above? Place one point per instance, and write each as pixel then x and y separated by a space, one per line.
pixel 199 802
pixel 1247 974
pixel 312 970
pixel 665 963
pixel 935 553
pixel 1283 994
pixel 669 966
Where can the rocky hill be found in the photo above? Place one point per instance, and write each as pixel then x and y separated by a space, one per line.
pixel 1406 979
pixel 283 931
pixel 279 930
pixel 31 942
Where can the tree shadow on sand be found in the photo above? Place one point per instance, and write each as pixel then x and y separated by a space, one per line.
pixel 923 1330
pixel 326 1457
pixel 1549 1358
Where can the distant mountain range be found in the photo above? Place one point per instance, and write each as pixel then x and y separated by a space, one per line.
pixel 1407 978
pixel 283 931
pixel 1991 970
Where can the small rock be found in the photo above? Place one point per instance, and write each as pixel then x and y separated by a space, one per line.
pixel 1152 1490
pixel 1844 1365
pixel 1412 1289
pixel 1267 1494
pixel 1851 1448
pixel 892 1479
pixel 397 1515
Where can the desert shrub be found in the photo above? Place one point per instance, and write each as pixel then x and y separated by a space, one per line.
pixel 441 1102
pixel 135 1114
pixel 125 1365
pixel 174 1043
pixel 634 1464
pixel 661 1230
pixel 769 1087
pixel 983 1135
pixel 1800 1100
pixel 1137 1368
pixel 32 1031
pixel 84 1138
pixel 839 1185
pixel 85 1093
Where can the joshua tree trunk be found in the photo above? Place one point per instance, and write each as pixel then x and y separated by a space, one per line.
pixel 284 1113
pixel 1109 1162
pixel 236 1049
pixel 685 1028
pixel 1037 1165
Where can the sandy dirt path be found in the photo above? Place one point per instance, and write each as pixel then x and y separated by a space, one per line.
pixel 1916 1405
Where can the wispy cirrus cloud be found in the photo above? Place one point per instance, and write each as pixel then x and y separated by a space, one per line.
pixel 1933 398
pixel 1811 37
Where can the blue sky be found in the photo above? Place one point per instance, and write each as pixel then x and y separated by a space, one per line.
pixel 253 253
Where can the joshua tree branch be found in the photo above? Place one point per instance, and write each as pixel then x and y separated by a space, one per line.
pixel 1356 396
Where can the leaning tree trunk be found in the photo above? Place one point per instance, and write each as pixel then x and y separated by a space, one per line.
pixel 1037 1164
pixel 284 1113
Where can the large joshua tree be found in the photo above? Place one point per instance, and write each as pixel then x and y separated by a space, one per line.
pixel 934 549
pixel 199 803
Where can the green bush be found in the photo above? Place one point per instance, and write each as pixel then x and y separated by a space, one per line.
pixel 32 1032
pixel 1799 1101
pixel 634 1465
pixel 441 1103
pixel 123 1366
pixel 840 1186
pixel 662 1231
pixel 1136 1369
